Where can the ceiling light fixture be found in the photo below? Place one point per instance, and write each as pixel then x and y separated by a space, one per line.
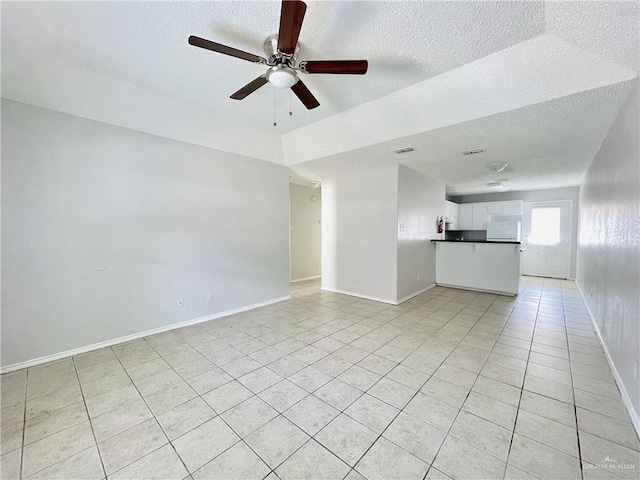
pixel 473 152
pixel 282 76
pixel 403 150
pixel 497 167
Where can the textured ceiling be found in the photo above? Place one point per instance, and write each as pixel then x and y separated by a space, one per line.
pixel 129 64
pixel 547 145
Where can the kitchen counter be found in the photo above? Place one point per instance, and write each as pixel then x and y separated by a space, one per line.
pixel 476 241
pixel 479 265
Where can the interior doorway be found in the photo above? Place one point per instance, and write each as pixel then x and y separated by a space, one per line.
pixel 546 239
pixel 305 232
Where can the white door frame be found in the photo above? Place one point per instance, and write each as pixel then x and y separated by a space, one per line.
pixel 569 227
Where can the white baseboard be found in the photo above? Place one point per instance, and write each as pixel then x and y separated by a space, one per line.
pixel 377 299
pixel 473 289
pixel 635 418
pixel 305 279
pixel 351 294
pixel 415 294
pixel 135 336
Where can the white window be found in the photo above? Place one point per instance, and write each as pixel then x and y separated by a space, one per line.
pixel 545 226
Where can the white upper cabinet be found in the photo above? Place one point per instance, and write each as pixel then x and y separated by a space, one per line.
pixel 451 215
pixel 465 216
pixel 474 216
pixel 510 207
pixel 479 216
pixel 494 208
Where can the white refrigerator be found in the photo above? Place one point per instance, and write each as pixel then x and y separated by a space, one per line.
pixel 508 231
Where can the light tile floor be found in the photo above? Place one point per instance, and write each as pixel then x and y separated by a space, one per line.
pixel 450 384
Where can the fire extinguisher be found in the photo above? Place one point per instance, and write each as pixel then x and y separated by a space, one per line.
pixel 440 224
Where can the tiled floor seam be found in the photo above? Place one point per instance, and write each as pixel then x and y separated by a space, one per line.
pixel 573 392
pixel 84 400
pixel 24 420
pixel 524 378
pixel 153 416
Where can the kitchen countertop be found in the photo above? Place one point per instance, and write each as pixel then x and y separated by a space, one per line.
pixel 475 241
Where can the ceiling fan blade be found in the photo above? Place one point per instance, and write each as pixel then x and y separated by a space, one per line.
pixel 349 67
pixel 250 87
pixel 305 96
pixel 291 17
pixel 218 47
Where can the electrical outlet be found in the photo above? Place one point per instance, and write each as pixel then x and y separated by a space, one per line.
pixel 402 227
pixel 418 278
pixel 209 297
pixel 180 302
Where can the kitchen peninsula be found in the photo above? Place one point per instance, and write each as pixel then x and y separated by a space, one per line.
pixel 479 265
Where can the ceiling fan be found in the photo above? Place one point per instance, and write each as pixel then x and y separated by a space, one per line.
pixel 282 50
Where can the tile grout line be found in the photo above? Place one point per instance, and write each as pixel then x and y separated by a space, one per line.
pixel 150 411
pixel 573 391
pixel 86 409
pixel 524 378
pixel 24 421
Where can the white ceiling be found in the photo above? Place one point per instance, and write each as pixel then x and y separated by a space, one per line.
pixel 537 84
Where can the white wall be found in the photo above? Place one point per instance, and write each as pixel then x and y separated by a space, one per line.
pixel 359 239
pixel 170 220
pixel 546 195
pixel 609 247
pixel 305 231
pixel 420 202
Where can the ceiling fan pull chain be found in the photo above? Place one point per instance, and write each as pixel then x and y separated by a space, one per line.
pixel 274 107
pixel 290 112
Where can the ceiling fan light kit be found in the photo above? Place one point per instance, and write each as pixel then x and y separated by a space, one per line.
pixel 497 167
pixel 282 50
pixel 282 77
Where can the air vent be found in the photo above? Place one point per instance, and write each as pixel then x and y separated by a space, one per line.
pixel 403 150
pixel 473 152
pixel 497 187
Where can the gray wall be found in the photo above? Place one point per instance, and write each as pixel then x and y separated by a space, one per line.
pixel 167 219
pixel 359 239
pixel 305 231
pixel 420 203
pixel 609 245
pixel 569 193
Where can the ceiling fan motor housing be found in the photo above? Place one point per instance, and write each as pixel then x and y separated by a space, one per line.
pixel 275 57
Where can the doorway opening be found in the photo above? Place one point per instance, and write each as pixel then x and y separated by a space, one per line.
pixel 304 232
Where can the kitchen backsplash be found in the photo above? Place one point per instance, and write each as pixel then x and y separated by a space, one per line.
pixel 466 235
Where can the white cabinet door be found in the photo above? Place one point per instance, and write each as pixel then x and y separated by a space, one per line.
pixel 512 207
pixel 451 215
pixel 447 211
pixel 454 217
pixel 465 217
pixel 479 216
pixel 495 208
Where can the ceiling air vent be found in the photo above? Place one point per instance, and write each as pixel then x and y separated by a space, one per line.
pixel 497 186
pixel 473 152
pixel 403 150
